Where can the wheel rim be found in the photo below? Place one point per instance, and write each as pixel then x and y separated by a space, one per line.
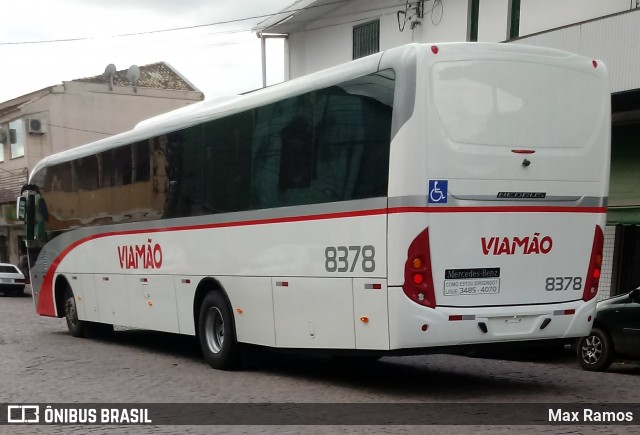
pixel 72 317
pixel 214 330
pixel 592 350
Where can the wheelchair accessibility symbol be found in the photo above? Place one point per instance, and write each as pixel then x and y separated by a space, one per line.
pixel 438 191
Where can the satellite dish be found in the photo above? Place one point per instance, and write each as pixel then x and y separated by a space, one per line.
pixel 133 74
pixel 109 73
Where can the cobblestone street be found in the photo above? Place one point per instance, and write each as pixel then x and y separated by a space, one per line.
pixel 42 363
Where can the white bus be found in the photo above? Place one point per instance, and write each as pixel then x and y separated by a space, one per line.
pixel 413 201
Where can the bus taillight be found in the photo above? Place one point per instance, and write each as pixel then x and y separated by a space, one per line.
pixel 595 264
pixel 418 281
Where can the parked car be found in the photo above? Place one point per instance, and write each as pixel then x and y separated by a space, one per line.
pixel 11 280
pixel 615 333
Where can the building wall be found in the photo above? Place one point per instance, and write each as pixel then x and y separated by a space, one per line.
pixel 541 15
pixel 327 41
pixel 612 39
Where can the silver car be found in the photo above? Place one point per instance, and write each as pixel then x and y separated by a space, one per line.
pixel 11 280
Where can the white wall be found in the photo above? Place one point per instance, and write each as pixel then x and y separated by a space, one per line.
pixel 447 22
pixel 327 41
pixel 317 49
pixel 540 15
pixel 614 40
pixel 492 20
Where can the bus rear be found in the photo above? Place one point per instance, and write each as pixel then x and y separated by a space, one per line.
pixel 497 214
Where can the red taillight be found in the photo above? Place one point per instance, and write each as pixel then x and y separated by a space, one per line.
pixel 434 49
pixel 20 281
pixel 418 281
pixel 595 265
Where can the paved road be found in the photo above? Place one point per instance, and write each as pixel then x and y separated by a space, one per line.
pixel 41 363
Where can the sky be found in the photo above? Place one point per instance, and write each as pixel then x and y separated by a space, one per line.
pixel 46 42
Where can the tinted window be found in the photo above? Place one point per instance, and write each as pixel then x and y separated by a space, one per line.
pixel 226 181
pixel 323 146
pixel 328 145
pixel 87 173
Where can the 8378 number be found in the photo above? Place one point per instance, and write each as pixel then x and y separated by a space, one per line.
pixel 347 258
pixel 562 283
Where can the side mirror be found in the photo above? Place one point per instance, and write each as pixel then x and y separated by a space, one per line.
pixel 21 208
pixel 634 296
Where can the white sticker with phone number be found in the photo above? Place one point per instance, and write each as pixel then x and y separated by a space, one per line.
pixel 481 286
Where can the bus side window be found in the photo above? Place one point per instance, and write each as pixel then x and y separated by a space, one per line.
pixel 296 155
pixel 226 180
pixel 282 139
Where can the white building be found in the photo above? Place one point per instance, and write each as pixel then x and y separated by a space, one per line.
pixel 324 33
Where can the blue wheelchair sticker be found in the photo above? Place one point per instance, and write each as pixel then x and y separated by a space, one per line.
pixel 438 191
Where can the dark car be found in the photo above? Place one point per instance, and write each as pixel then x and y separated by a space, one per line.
pixel 615 333
pixel 11 280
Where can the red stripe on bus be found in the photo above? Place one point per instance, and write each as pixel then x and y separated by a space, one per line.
pixel 499 209
pixel 46 303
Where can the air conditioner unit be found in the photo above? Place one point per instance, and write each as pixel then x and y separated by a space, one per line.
pixel 36 126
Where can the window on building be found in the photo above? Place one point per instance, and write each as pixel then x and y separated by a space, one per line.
pixel 16 134
pixel 366 39
pixel 474 13
pixel 4 249
pixel 3 140
pixel 513 26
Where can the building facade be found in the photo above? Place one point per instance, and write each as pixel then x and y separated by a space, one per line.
pixel 71 114
pixel 324 33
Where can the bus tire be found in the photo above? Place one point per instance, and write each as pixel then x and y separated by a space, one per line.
pixel 76 326
pixel 595 351
pixel 216 333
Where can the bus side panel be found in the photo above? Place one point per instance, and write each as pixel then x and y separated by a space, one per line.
pixel 337 243
pixel 314 313
pixel 113 300
pixel 86 299
pixel 251 301
pixel 185 286
pixel 371 314
pixel 152 302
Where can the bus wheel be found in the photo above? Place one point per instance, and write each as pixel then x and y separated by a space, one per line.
pixel 75 325
pixel 216 333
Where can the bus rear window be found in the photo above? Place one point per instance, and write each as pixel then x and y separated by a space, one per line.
pixel 517 104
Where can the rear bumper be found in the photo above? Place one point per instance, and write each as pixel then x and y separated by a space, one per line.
pixel 414 326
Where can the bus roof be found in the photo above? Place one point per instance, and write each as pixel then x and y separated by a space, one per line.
pixel 219 107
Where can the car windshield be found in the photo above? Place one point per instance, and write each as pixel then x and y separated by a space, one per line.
pixel 8 268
